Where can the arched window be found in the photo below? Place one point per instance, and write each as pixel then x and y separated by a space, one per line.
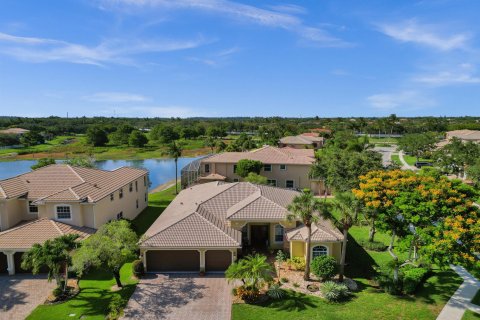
pixel 319 251
pixel 278 233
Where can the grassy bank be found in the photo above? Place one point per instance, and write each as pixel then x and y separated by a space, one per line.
pixel 95 287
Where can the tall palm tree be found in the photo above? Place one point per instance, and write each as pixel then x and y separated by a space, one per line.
pixel 175 150
pixel 306 208
pixel 347 207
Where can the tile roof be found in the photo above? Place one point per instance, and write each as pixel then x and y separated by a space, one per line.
pixel 306 138
pixel 61 182
pixel 465 134
pixel 39 231
pixel 322 231
pixel 199 216
pixel 267 154
pixel 14 131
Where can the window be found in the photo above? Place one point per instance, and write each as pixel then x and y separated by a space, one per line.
pixel 112 197
pixel 64 212
pixel 234 168
pixel 32 208
pixel 278 233
pixel 120 215
pixel 289 184
pixel 137 203
pixel 130 187
pixel 120 193
pixel 267 167
pixel 136 186
pixel 318 251
pixel 235 180
pixel 272 183
pixel 283 167
pixel 207 168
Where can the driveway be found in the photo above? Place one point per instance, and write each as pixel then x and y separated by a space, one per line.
pixel 386 153
pixel 20 294
pixel 181 296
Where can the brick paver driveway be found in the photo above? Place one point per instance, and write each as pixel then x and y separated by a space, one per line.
pixel 20 294
pixel 180 296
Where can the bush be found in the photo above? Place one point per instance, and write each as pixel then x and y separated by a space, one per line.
pixel 248 294
pixel 324 267
pixel 275 292
pixel 245 166
pixel 284 280
pixel 296 285
pixel 138 268
pixel 58 292
pixel 385 281
pixel 115 307
pixel 334 292
pixel 413 278
pixel 297 263
pixel 373 246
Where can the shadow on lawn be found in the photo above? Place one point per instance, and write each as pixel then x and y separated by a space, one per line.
pixel 439 286
pixel 360 263
pixel 294 301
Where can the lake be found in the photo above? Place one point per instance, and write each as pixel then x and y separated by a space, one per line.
pixel 161 170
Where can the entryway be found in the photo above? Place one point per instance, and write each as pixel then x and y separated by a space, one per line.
pixel 259 236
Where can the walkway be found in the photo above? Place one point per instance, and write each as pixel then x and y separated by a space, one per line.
pixel 460 301
pixel 405 165
pixel 162 187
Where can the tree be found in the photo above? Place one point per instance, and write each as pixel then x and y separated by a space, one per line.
pixel 53 254
pixel 137 139
pixel 164 133
pixel 210 142
pixel 175 150
pixel 417 144
pixel 253 271
pixel 306 208
pixel 347 206
pixel 216 132
pixel 31 138
pixel 110 247
pixel 121 135
pixel 256 178
pixel 96 136
pixel 457 156
pixel 245 166
pixel 474 172
pixel 81 162
pixel 43 163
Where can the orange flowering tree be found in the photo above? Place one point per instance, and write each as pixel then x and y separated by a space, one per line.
pixel 438 212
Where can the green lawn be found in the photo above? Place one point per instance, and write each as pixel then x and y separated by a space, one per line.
pixel 370 302
pixel 470 315
pixel 396 159
pixel 95 294
pixel 411 160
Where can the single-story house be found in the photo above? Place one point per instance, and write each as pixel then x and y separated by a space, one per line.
pixel 303 141
pixel 14 242
pixel 81 197
pixel 283 167
pixel 464 135
pixel 207 226
pixel 14 131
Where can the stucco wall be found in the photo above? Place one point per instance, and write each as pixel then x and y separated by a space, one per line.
pixel 13 211
pixel 49 211
pixel 238 225
pixel 298 248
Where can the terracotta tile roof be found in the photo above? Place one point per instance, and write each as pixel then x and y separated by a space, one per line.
pixel 322 231
pixel 39 231
pixel 305 138
pixel 61 182
pixel 213 177
pixel 268 155
pixel 199 216
pixel 14 131
pixel 465 134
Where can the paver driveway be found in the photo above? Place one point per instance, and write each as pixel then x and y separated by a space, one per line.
pixel 180 296
pixel 20 294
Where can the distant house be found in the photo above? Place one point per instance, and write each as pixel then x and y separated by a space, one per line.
pixel 14 131
pixel 208 226
pixel 284 167
pixel 464 135
pixel 68 198
pixel 302 141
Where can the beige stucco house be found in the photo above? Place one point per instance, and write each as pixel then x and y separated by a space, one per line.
pixel 284 167
pixel 207 226
pixel 309 140
pixel 73 196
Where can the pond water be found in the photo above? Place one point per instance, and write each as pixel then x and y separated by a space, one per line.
pixel 161 170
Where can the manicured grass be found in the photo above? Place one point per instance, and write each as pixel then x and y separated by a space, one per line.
pixel 95 294
pixel 370 302
pixel 470 315
pixel 411 160
pixel 396 159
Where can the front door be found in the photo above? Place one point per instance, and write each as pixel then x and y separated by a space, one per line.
pixel 259 236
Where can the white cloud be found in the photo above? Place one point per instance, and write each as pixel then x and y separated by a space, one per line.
pixel 406 100
pixel 461 74
pixel 154 112
pixel 120 51
pixel 424 34
pixel 115 97
pixel 271 18
pixel 289 8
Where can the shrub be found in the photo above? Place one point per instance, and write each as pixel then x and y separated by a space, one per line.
pixel 385 281
pixel 138 268
pixel 234 292
pixel 324 267
pixel 413 278
pixel 248 294
pixel 275 292
pixel 296 285
pixel 297 263
pixel 57 292
pixel 284 280
pixel 373 246
pixel 245 166
pixel 334 292
pixel 115 307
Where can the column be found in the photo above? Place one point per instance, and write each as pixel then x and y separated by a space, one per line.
pixel 202 260
pixel 234 255
pixel 10 263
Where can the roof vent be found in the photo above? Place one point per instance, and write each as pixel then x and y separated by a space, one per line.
pixel 27 181
pixel 95 185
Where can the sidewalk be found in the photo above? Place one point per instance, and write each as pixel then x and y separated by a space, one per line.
pixel 405 165
pixel 460 301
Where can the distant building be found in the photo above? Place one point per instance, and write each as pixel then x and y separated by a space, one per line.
pixel 309 140
pixel 14 131
pixel 464 135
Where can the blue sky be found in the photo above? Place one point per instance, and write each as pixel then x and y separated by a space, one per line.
pixel 185 58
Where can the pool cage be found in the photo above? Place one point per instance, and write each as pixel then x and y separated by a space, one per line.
pixel 191 173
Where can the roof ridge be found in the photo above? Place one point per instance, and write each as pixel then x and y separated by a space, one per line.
pixel 63 190
pixel 75 172
pixel 57 227
pixel 176 222
pixel 22 226
pixel 3 191
pixel 213 224
pixel 217 194
pixel 255 195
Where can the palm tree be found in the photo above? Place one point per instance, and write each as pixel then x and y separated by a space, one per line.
pixel 347 207
pixel 308 209
pixel 253 271
pixel 175 150
pixel 52 254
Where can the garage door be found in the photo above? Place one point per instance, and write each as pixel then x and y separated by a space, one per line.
pixel 173 260
pixel 17 257
pixel 3 263
pixel 217 260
